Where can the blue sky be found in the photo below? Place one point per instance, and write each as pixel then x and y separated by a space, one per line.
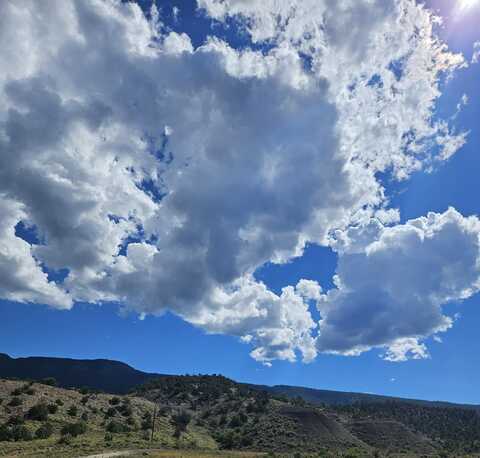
pixel 168 344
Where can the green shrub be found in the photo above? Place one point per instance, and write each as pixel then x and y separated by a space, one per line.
pixel 44 432
pixel 29 391
pixel 5 433
pixel 84 416
pixel 74 429
pixel 72 411
pixel 227 440
pixel 16 420
pixel 21 433
pixel 50 381
pixel 235 422
pixel 145 425
pixel 131 422
pixel 38 412
pixel 108 437
pixel 117 427
pixel 110 412
pixel 246 441
pixel 15 402
pixel 180 421
pixel 126 410
pixel 52 408
pixel 66 439
pixel 59 402
pixel 16 392
pixel 114 401
pixel 163 411
pixel 146 421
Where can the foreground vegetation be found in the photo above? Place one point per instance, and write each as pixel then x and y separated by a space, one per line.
pixel 212 416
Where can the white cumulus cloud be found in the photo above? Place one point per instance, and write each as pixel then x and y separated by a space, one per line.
pixel 163 176
pixel 390 291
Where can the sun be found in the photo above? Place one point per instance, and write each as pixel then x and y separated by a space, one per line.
pixel 464 5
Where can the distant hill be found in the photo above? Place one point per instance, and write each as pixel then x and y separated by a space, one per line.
pixel 120 378
pixel 99 374
pixel 342 398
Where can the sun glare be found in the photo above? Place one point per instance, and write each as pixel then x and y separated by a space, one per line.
pixel 464 5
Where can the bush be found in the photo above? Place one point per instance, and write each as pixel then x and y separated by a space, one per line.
pixel 117 427
pixel 66 439
pixel 38 412
pixel 15 402
pixel 181 421
pixel 72 411
pixel 131 422
pixel 246 441
pixel 59 402
pixel 235 422
pixel 126 410
pixel 85 399
pixel 29 391
pixel 52 408
pixel 84 416
pixel 227 440
pixel 114 401
pixel 84 390
pixel 110 412
pixel 146 425
pixel 21 433
pixel 16 392
pixel 5 433
pixel 16 420
pixel 74 429
pixel 50 381
pixel 108 437
pixel 44 432
pixel 163 411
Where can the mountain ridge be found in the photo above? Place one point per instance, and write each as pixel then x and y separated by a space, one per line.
pixel 118 377
pixel 99 374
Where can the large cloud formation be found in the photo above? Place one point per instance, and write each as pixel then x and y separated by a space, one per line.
pixel 390 287
pixel 162 176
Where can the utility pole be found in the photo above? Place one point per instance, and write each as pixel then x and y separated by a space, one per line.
pixel 153 421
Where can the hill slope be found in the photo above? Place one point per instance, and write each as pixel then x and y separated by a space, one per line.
pixel 213 412
pixel 240 417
